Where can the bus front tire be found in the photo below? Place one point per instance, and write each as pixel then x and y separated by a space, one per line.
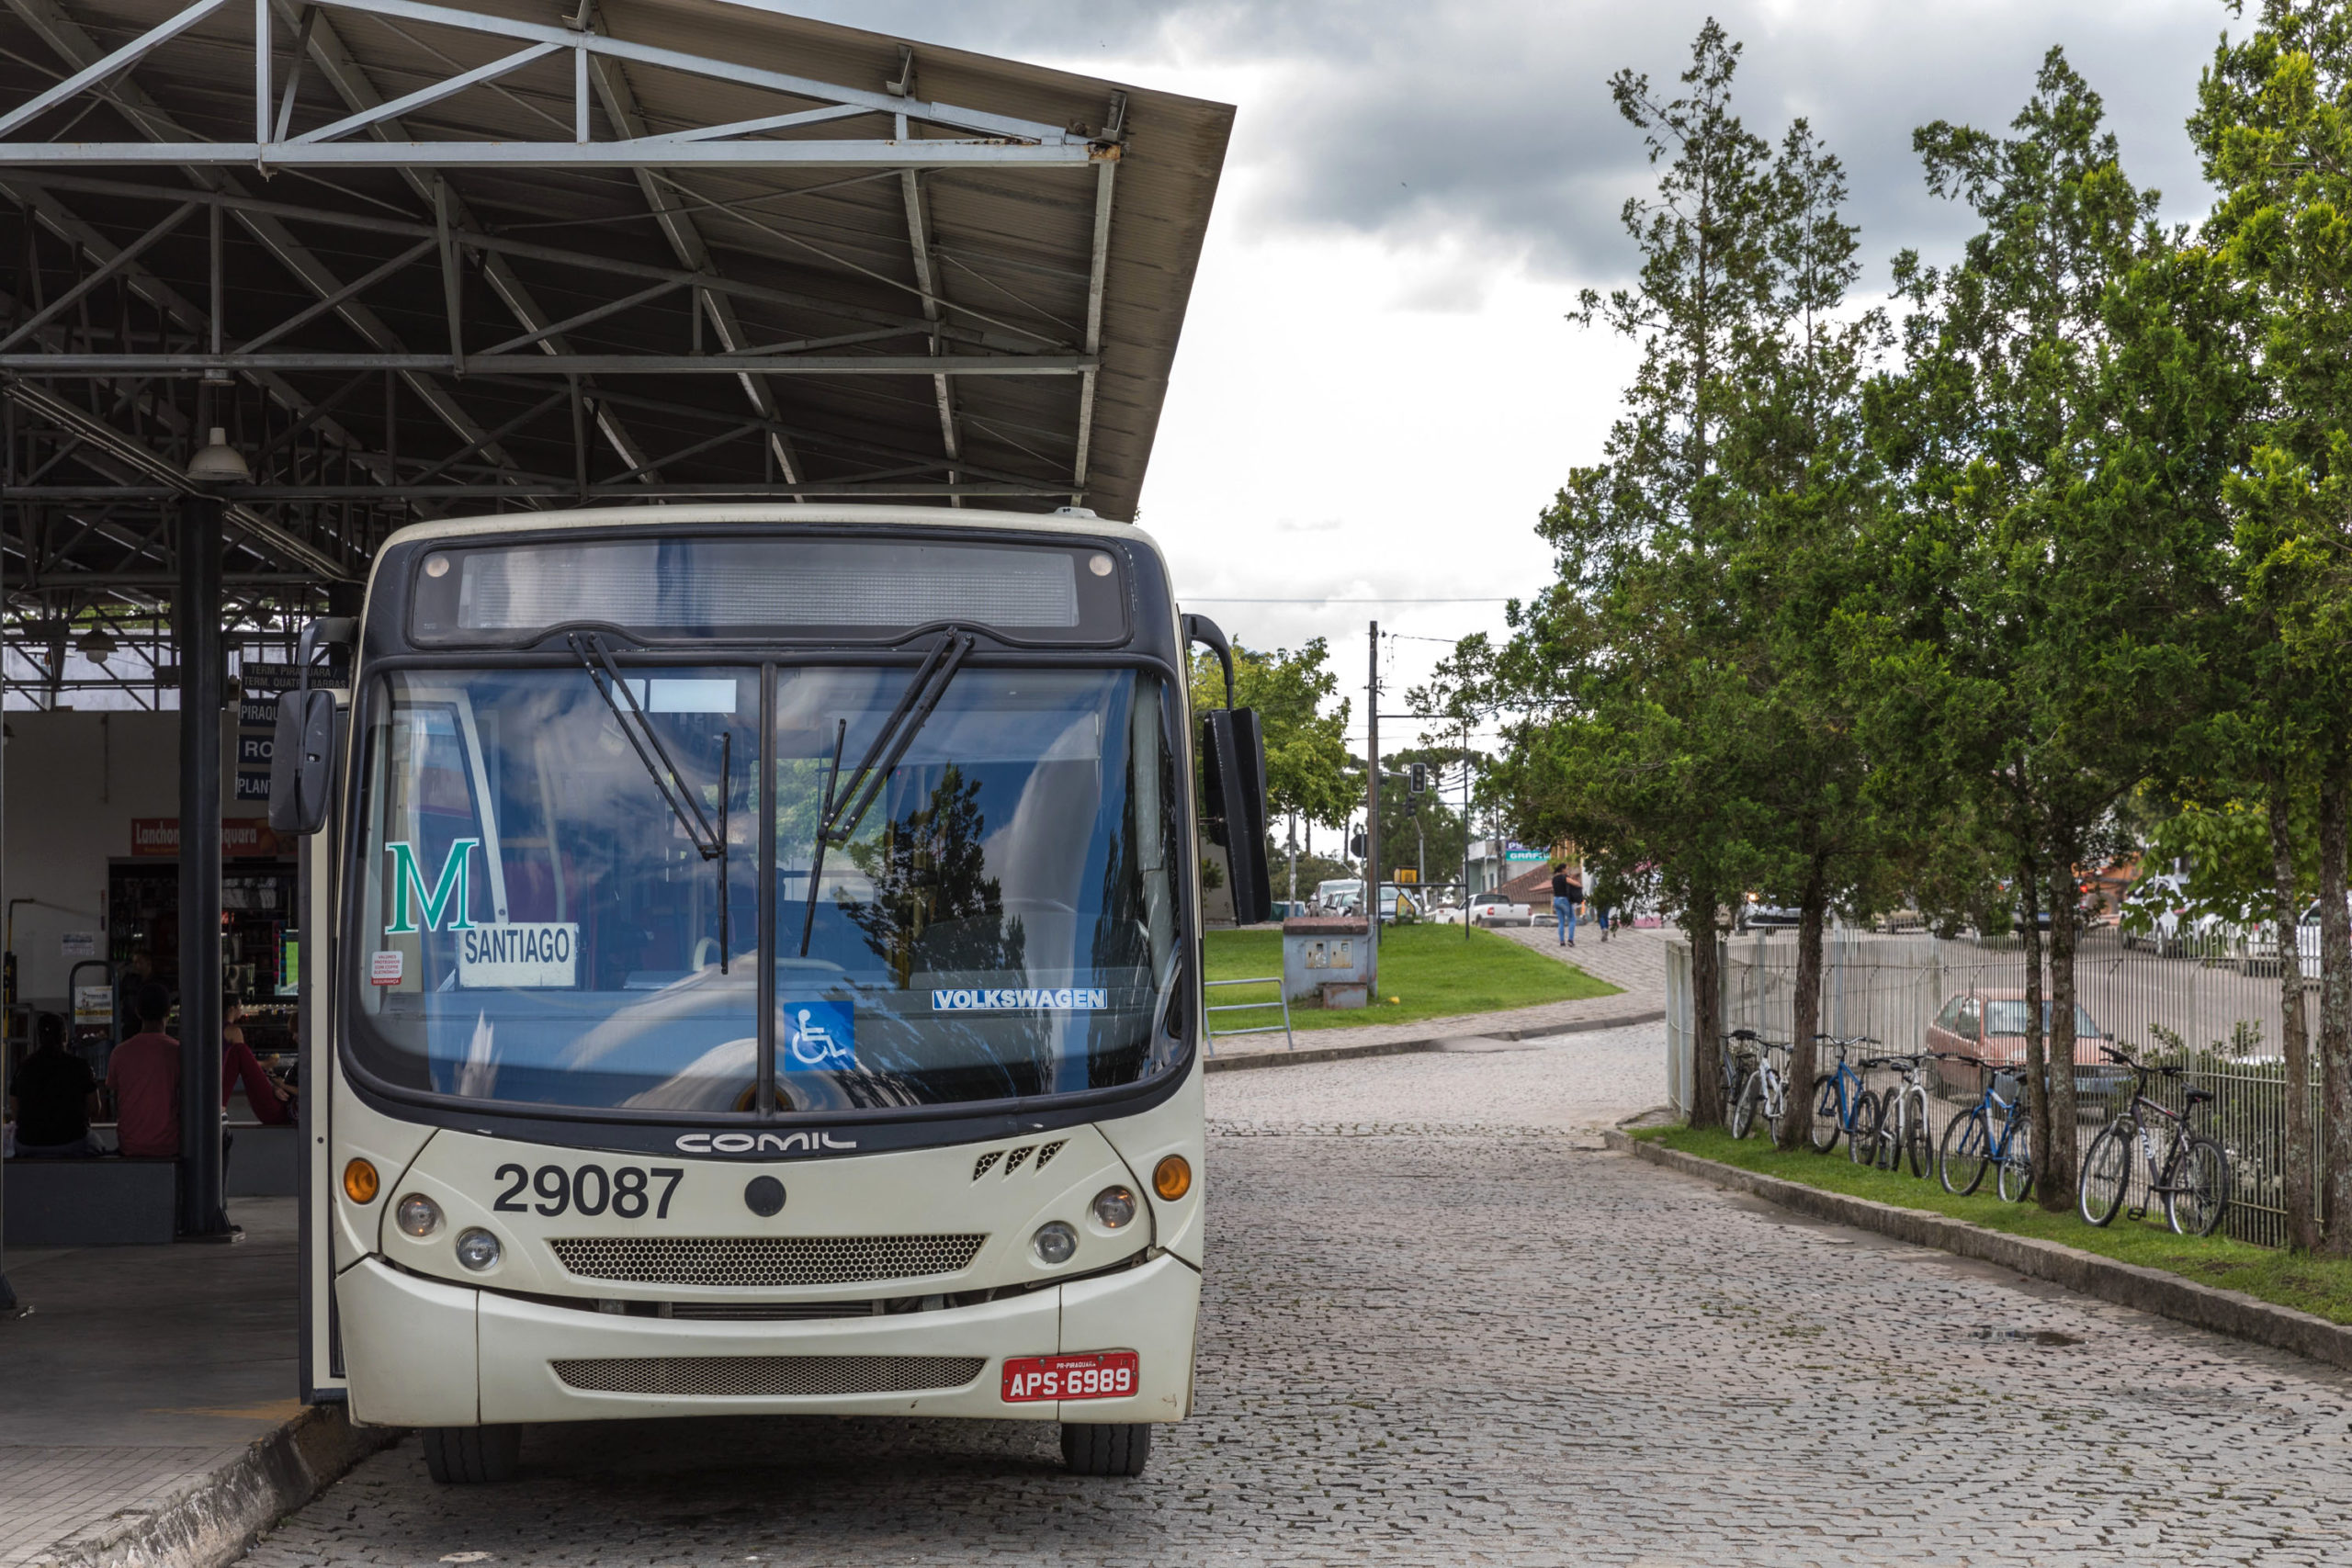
pixel 466 1456
pixel 1109 1450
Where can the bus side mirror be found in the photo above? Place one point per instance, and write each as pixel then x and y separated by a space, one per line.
pixel 1233 753
pixel 301 762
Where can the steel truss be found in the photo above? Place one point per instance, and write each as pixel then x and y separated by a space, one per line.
pixel 341 270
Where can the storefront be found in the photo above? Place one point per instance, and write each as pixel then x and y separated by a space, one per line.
pixel 93 872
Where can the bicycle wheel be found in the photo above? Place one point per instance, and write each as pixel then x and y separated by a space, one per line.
pixel 1918 1142
pixel 2107 1171
pixel 2015 1181
pixel 1862 1146
pixel 1743 1111
pixel 2200 1189
pixel 1965 1143
pixel 1825 1130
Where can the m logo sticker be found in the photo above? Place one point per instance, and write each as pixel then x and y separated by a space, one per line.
pixel 448 894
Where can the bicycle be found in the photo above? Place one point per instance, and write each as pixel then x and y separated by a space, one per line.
pixel 1738 1062
pixel 1994 1131
pixel 1831 1100
pixel 1767 1088
pixel 1898 1120
pixel 2193 1178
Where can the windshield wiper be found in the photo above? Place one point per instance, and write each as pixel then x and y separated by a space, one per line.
pixel 839 817
pixel 684 804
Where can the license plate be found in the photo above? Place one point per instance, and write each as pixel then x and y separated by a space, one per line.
pixel 1106 1375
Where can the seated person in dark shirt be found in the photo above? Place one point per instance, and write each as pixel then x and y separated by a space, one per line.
pixel 53 1094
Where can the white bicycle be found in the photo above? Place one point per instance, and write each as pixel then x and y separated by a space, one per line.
pixel 1767 1088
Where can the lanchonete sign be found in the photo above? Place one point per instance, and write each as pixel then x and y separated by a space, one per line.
pixel 241 837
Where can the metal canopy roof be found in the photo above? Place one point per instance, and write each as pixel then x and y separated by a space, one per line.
pixel 419 259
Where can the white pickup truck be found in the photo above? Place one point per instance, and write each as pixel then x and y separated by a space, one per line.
pixel 1497 909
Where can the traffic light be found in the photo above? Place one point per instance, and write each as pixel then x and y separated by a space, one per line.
pixel 1418 782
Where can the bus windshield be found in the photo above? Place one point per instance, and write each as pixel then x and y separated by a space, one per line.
pixel 539 923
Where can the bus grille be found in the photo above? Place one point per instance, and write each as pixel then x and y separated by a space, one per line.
pixel 720 1377
pixel 755 1262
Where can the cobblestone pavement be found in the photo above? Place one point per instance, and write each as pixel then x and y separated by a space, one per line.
pixel 1440 1330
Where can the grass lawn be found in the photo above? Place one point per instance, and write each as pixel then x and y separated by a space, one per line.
pixel 1428 970
pixel 2322 1286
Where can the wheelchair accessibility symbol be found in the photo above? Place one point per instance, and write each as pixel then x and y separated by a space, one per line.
pixel 819 1037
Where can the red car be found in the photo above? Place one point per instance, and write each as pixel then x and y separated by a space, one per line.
pixel 1990 1025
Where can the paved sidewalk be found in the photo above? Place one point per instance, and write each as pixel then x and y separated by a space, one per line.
pixel 135 1382
pixel 1634 961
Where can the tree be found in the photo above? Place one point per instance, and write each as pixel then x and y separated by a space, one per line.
pixel 2037 653
pixel 1800 492
pixel 1627 675
pixel 1306 750
pixel 1308 764
pixel 2272 128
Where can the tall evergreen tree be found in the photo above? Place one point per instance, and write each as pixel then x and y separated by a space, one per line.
pixel 2274 125
pixel 2035 575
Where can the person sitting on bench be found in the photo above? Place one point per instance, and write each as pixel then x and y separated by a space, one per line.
pixel 55 1095
pixel 272 1105
pixel 143 1078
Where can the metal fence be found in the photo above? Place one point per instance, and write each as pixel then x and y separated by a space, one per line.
pixel 2210 1007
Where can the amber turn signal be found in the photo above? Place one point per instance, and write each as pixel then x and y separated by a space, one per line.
pixel 359 1183
pixel 1172 1178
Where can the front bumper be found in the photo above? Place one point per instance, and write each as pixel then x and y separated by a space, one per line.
pixel 424 1353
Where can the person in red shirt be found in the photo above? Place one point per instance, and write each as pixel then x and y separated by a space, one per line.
pixel 143 1080
pixel 272 1106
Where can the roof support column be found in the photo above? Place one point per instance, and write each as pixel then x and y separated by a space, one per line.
pixel 202 1215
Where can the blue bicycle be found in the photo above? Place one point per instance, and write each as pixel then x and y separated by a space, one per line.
pixel 1992 1132
pixel 1839 1097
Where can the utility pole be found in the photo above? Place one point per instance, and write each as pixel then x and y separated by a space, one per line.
pixel 1293 857
pixel 1466 830
pixel 1372 813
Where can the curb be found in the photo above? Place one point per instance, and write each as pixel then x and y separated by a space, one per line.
pixel 213 1522
pixel 2125 1284
pixel 1426 1043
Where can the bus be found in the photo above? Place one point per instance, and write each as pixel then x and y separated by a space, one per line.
pixel 752 965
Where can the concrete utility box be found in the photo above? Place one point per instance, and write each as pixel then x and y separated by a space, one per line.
pixel 1328 957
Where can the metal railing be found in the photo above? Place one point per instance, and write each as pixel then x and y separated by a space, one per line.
pixel 2211 1008
pixel 1211 1032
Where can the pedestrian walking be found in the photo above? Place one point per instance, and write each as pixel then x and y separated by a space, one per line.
pixel 1566 894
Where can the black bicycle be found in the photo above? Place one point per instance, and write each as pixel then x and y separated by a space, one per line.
pixel 2192 1178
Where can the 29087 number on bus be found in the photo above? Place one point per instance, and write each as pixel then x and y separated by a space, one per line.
pixel 1106 1375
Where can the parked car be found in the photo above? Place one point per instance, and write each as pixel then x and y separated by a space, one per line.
pixel 1990 1026
pixel 2261 952
pixel 1500 909
pixel 1341 894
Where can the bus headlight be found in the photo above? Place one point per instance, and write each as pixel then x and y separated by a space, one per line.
pixel 418 1214
pixel 478 1249
pixel 1114 1207
pixel 1054 1244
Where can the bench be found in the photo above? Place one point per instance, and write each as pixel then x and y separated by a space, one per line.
pixel 91 1203
pixel 263 1162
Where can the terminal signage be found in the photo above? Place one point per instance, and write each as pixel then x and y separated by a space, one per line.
pixel 258 675
pixel 242 838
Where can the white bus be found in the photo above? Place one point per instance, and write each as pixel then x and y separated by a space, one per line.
pixel 751 965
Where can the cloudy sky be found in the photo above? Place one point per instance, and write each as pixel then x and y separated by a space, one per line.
pixel 1376 393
